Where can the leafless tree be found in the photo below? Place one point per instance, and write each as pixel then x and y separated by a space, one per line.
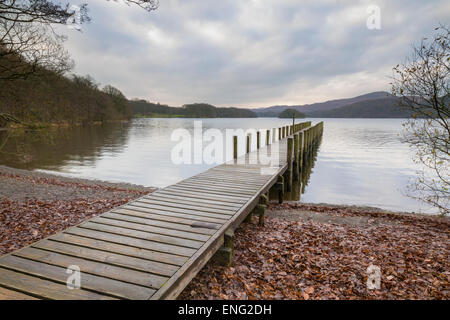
pixel 26 48
pixel 28 42
pixel 423 84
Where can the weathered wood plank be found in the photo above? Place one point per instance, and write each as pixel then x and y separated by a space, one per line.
pixel 45 289
pixel 203 196
pixel 143 227
pixel 145 211
pixel 193 201
pixel 217 186
pixel 135 242
pixel 162 218
pixel 124 249
pixel 107 257
pixel 191 206
pixel 219 215
pixel 171 243
pixel 6 294
pixel 150 222
pixel 99 269
pixel 230 194
pixel 112 287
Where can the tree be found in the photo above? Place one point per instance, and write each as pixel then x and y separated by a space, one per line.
pixel 28 42
pixel 26 49
pixel 119 100
pixel 423 85
pixel 27 39
pixel 289 113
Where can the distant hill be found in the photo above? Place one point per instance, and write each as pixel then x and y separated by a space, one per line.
pixel 321 106
pixel 374 108
pixel 289 113
pixel 193 110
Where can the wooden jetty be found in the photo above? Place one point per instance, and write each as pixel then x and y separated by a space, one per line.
pixel 152 247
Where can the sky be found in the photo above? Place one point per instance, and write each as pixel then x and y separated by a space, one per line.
pixel 250 53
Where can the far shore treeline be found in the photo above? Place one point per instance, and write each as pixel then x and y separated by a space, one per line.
pixel 143 108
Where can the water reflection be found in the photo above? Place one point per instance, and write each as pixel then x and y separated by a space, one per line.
pixel 59 148
pixel 308 160
pixel 359 161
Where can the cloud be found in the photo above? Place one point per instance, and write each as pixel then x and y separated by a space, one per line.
pixel 249 53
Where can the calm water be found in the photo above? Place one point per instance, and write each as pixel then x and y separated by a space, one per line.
pixel 360 161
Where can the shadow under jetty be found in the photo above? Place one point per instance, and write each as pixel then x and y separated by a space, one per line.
pixel 307 162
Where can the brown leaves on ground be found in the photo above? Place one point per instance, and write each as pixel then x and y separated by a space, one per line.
pixel 25 222
pixel 308 259
pixel 34 206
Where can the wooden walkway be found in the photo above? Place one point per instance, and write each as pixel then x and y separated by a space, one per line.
pixel 152 247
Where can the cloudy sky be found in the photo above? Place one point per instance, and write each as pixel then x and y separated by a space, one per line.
pixel 250 53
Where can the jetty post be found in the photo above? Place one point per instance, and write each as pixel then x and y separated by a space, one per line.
pixel 301 139
pixel 258 139
pixel 290 145
pixel 296 164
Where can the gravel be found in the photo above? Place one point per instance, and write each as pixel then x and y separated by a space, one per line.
pixel 22 185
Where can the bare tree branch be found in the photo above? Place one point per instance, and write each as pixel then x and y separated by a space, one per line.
pixel 423 84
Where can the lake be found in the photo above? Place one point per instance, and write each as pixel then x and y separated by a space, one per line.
pixel 359 161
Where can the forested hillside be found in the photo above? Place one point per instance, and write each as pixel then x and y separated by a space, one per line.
pixel 194 110
pixel 289 113
pixel 321 106
pixel 56 98
pixel 376 108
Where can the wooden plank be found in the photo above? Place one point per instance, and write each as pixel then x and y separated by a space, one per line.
pixel 145 211
pixel 225 181
pixel 107 257
pixel 143 227
pixel 6 294
pixel 226 177
pixel 225 174
pixel 156 223
pixel 143 204
pixel 192 201
pixel 170 243
pixel 214 190
pixel 126 250
pixel 99 269
pixel 203 196
pixel 209 191
pixel 191 206
pixel 45 289
pixel 100 285
pixel 166 194
pixel 138 243
pixel 218 186
pixel 161 218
